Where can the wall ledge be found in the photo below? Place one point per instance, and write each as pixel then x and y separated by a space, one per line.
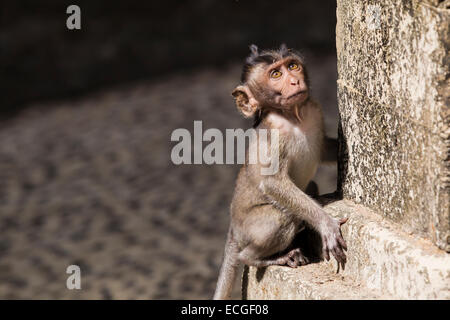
pixel 383 263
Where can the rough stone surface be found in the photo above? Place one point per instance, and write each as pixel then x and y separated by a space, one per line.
pixel 383 263
pixel 383 257
pixel 310 282
pixel 393 94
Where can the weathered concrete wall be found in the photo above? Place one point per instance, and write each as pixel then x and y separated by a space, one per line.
pixel 310 282
pixel 393 92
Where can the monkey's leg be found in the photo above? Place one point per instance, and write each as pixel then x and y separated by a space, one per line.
pixel 293 259
pixel 269 235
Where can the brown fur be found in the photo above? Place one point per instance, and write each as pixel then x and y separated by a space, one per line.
pixel 267 211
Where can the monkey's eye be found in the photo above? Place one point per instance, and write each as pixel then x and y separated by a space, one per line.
pixel 275 74
pixel 293 66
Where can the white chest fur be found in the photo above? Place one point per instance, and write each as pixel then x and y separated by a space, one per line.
pixel 305 143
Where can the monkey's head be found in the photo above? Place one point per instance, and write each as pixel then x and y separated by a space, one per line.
pixel 271 79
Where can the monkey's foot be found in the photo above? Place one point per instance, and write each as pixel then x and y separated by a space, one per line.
pixel 293 259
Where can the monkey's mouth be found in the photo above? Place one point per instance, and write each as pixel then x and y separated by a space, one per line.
pixel 299 93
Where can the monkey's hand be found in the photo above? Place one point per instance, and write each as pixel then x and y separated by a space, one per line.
pixel 332 240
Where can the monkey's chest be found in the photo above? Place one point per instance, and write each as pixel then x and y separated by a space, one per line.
pixel 305 156
pixel 303 144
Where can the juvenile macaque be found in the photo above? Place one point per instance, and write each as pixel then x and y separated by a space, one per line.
pixel 267 211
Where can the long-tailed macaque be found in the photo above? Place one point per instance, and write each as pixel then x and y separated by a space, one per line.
pixel 267 211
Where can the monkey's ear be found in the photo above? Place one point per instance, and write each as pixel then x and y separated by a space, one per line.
pixel 284 49
pixel 245 102
pixel 254 50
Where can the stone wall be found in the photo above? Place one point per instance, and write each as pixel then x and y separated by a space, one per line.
pixel 393 93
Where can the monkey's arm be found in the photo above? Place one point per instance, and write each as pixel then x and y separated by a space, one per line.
pixel 282 192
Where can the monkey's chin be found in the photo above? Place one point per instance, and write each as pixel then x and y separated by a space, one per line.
pixel 295 100
pixel 297 94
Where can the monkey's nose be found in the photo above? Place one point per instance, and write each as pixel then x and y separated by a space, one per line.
pixel 295 82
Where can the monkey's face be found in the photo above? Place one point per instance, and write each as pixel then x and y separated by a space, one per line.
pixel 286 80
pixel 280 85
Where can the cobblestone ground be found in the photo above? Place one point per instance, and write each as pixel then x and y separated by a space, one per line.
pixel 90 182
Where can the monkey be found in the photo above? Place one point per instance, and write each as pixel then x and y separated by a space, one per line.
pixel 268 211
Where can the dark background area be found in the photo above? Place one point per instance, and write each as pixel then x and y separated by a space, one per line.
pixel 86 115
pixel 122 41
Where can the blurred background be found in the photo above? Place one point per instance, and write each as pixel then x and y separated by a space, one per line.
pixel 85 123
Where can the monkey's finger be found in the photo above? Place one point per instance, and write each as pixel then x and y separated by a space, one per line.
pixel 303 260
pixel 336 255
pixel 342 221
pixel 339 265
pixel 339 255
pixel 343 256
pixel 326 255
pixel 341 252
pixel 295 261
pixel 342 242
pixel 291 263
pixel 343 262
